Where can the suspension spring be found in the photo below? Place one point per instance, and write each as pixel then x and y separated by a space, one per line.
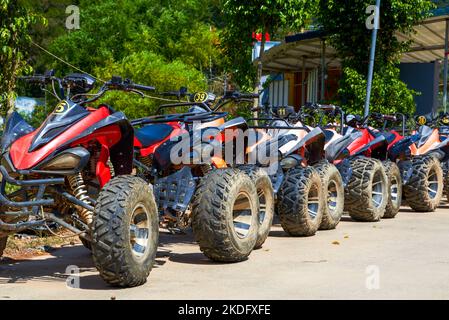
pixel 79 190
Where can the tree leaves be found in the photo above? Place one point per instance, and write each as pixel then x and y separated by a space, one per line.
pixel 345 22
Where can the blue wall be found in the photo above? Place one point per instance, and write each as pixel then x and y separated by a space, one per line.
pixel 424 78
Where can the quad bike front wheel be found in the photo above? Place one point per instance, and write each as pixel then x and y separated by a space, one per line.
pixel 3 241
pixel 424 190
pixel 445 167
pixel 366 194
pixel 225 218
pixel 266 202
pixel 333 195
pixel 300 202
pixel 125 232
pixel 395 189
pixel 86 243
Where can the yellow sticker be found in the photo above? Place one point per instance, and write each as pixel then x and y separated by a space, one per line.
pixel 445 120
pixel 282 112
pixel 422 120
pixel 200 97
pixel 62 107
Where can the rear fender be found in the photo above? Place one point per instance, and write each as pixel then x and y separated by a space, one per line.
pixel 401 149
pixel 315 147
pixel 314 140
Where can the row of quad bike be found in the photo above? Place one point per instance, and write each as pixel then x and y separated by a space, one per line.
pixel 114 182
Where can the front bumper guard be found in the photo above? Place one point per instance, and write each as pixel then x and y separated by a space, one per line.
pixel 27 207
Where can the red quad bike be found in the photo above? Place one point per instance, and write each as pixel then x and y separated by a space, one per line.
pixel 412 163
pixel 75 170
pixel 349 148
pixel 195 186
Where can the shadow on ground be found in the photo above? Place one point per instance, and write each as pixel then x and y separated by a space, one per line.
pixel 53 267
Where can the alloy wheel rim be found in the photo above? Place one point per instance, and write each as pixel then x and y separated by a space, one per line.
pixel 139 231
pixel 432 187
pixel 313 202
pixel 242 215
pixel 377 194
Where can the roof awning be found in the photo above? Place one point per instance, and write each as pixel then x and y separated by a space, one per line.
pixel 298 51
pixel 428 41
pixel 305 49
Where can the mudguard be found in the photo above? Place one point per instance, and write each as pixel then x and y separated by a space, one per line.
pixel 345 169
pixel 406 168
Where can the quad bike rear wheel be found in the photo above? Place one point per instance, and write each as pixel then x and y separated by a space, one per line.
pixel 225 215
pixel 333 195
pixel 366 194
pixel 424 190
pixel 125 231
pixel 3 241
pixel 266 202
pixel 395 189
pixel 300 204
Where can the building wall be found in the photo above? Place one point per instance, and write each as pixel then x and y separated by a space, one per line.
pixel 423 78
pixel 331 87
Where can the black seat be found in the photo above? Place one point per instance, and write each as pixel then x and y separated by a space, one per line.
pixel 153 133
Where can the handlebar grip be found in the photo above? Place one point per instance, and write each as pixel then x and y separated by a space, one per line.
pixel 249 96
pixel 390 118
pixel 327 107
pixel 34 79
pixel 142 87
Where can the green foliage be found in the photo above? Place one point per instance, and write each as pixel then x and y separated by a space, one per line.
pixel 389 94
pixel 113 29
pixel 150 69
pixel 245 17
pixel 16 20
pixel 39 114
pixel 345 21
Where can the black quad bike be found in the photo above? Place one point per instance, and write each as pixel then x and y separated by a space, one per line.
pixel 309 190
pixel 181 154
pixel 75 170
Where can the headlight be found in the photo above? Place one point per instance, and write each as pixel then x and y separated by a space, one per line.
pixel 69 160
pixel 64 162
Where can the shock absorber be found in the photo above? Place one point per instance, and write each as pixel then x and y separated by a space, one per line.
pixel 79 190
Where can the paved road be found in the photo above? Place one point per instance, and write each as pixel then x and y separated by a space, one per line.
pixel 405 258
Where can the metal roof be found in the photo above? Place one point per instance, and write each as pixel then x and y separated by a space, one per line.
pixel 427 46
pixel 304 47
pixel 428 41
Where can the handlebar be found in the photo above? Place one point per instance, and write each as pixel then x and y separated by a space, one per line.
pixel 117 83
pixel 237 95
pixel 141 87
